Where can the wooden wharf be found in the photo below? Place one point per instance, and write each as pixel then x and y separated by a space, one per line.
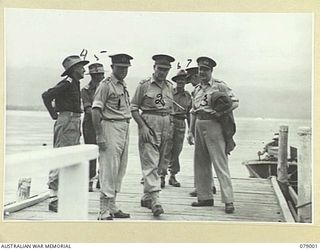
pixel 256 200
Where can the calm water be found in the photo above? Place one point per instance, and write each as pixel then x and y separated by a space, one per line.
pixel 33 130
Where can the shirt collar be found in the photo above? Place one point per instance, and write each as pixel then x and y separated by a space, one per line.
pixel 115 80
pixel 154 81
pixel 210 83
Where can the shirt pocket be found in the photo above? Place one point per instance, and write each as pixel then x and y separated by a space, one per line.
pixel 154 98
pixel 114 101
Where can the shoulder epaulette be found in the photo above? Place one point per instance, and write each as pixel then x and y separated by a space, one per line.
pixel 106 80
pixel 65 80
pixel 145 80
pixel 218 81
pixel 68 79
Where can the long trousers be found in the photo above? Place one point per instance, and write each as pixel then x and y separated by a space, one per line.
pixel 113 161
pixel 89 136
pixel 66 133
pixel 153 154
pixel 179 130
pixel 210 149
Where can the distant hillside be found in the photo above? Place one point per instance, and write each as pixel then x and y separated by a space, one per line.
pixel 31 108
pixel 257 98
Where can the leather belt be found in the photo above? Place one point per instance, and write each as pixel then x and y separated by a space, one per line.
pixel 151 112
pixel 205 116
pixel 118 120
pixel 70 113
pixel 179 117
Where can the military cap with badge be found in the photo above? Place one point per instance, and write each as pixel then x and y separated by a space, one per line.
pixel 163 61
pixel 122 60
pixel 204 61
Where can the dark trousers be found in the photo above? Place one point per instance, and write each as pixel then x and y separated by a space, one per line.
pixel 179 129
pixel 89 136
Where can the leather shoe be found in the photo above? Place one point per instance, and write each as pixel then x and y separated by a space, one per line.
pixel 102 217
pixel 203 203
pixel 162 182
pixel 120 215
pixel 214 190
pixel 53 206
pixel 194 192
pixel 98 184
pixel 173 181
pixel 146 203
pixel 157 210
pixel 229 208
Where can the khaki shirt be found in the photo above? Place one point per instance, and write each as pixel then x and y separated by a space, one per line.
pixel 183 99
pixel 150 96
pixel 87 95
pixel 112 98
pixel 202 95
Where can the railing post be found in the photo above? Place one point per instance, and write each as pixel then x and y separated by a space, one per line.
pixel 304 176
pixel 282 169
pixel 73 192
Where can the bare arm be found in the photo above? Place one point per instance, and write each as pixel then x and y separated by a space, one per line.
pixel 144 129
pixel 96 120
pixel 137 117
pixel 191 131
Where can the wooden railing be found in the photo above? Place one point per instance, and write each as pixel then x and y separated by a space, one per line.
pixel 302 201
pixel 73 162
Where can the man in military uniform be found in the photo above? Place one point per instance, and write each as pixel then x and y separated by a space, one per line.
pixel 154 98
pixel 111 116
pixel 193 78
pixel 67 112
pixel 180 114
pixel 96 73
pixel 210 144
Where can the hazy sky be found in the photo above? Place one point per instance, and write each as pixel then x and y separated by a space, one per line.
pixel 258 55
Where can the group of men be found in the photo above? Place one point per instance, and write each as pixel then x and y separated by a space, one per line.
pixel 160 112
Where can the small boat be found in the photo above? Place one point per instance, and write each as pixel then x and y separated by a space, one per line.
pixel 267 167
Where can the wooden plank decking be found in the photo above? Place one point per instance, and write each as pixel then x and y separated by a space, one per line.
pixel 255 201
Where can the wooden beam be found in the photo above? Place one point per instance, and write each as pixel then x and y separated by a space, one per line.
pixel 293 195
pixel 26 203
pixel 47 159
pixel 282 202
pixel 304 176
pixel 282 170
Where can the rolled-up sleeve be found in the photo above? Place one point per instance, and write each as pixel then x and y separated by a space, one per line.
pixel 100 96
pixel 137 99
